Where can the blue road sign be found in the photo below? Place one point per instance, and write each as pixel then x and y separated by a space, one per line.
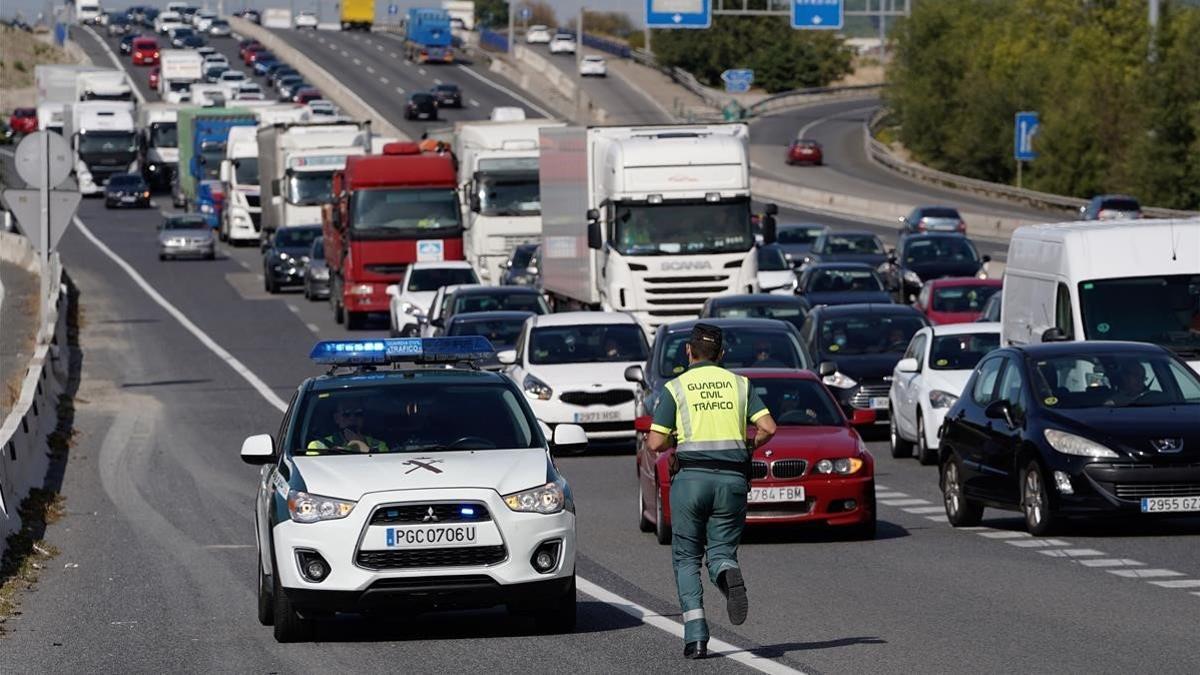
pixel 737 81
pixel 1025 127
pixel 525 13
pixel 393 10
pixel 678 13
pixel 818 14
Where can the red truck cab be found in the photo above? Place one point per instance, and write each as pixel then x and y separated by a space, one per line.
pixel 388 211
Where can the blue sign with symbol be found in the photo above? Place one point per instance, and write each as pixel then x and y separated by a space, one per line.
pixel 526 13
pixel 737 81
pixel 1025 128
pixel 393 10
pixel 818 14
pixel 678 13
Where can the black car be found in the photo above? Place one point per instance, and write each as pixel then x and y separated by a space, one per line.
pixel 316 272
pixel 288 86
pixel 447 95
pixel 859 247
pixel 931 255
pixel 789 308
pixel 519 269
pixel 279 70
pixel 285 256
pixel 797 239
pixel 126 44
pixel 212 74
pixel 491 299
pixel 127 189
pixel 193 41
pixel 422 106
pixel 501 328
pixel 858 347
pixel 842 284
pixel 1107 207
pixel 1073 428
pixel 933 219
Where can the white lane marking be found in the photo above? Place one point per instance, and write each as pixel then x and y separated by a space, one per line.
pixel 1178 583
pixel 332 46
pixel 675 628
pixel 1037 543
pixel 437 80
pixel 357 62
pixel 399 90
pixel 973 528
pixel 822 120
pixel 383 80
pixel 379 47
pixel 370 70
pixel 1005 534
pixel 474 103
pixel 225 547
pixel 237 366
pixel 1111 562
pixel 888 494
pixel 395 55
pixel 903 502
pixel 1072 553
pixel 420 71
pixel 314 328
pixel 938 519
pixel 293 308
pixel 345 54
pixel 879 487
pixel 117 62
pixel 537 108
pixel 920 510
pixel 1145 574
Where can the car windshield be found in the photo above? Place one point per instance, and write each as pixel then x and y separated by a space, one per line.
pixel 233 76
pixel 798 235
pixel 185 223
pixel 521 257
pixel 1161 309
pixel 422 99
pixel 246 170
pixel 497 300
pixel 673 229
pixel 939 250
pixel 107 142
pixel 745 347
pixel 509 193
pixel 587 343
pixel 125 180
pixel 791 312
pixel 433 278
pixel 962 298
pixel 318 249
pixel 446 88
pixel 179 85
pixel 770 259
pixel 961 352
pixel 421 415
pixel 419 211
pixel 1120 205
pixel 502 333
pixel 854 244
pixel 296 237
pixel 796 402
pixel 843 280
pixel 1115 380
pixel 867 334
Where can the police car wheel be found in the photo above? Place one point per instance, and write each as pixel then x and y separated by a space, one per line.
pixel 662 531
pixel 559 618
pixel 289 625
pixel 644 523
pixel 266 603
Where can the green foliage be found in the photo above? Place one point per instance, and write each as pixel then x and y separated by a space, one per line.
pixel 491 13
pixel 614 24
pixel 1112 119
pixel 782 58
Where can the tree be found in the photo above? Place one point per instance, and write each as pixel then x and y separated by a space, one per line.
pixel 491 13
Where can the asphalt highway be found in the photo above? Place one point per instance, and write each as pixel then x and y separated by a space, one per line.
pixel 156 571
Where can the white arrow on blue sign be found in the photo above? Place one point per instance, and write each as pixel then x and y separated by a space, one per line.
pixel 1024 128
pixel 393 9
pixel 818 14
pixel 737 81
pixel 526 12
pixel 678 13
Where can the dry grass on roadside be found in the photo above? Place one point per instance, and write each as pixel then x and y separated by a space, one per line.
pixel 21 52
pixel 27 553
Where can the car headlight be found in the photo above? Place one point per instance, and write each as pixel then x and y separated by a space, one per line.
pixel 206 208
pixel 306 508
pixel 942 399
pixel 410 308
pixel 840 381
pixel 548 498
pixel 910 277
pixel 843 466
pixel 536 388
pixel 283 257
pixel 1070 444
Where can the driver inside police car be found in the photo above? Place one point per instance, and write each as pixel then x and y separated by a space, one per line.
pixel 348 418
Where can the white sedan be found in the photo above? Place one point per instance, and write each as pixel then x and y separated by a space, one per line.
pixel 594 66
pixel 562 44
pixel 571 366
pixel 537 35
pixel 413 296
pixel 929 379
pixel 306 20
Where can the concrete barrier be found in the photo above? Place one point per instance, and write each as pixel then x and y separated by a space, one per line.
pixel 578 105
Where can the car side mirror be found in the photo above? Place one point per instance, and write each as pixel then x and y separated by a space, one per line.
pixel 635 374
pixel 901 219
pixel 769 228
pixel 393 291
pixel 642 423
pixel 507 356
pixel 593 234
pixel 986 258
pixel 827 368
pixel 1055 334
pixel 999 410
pixel 771 209
pixel 264 244
pixel 907 365
pixel 570 438
pixel 438 323
pixel 259 449
pixel 860 417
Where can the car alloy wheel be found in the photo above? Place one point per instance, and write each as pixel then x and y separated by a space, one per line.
pixel 1035 502
pixel 900 447
pixel 960 511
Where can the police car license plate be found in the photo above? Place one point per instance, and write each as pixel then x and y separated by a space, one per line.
pixel 1170 504
pixel 450 535
pixel 879 402
pixel 602 416
pixel 775 494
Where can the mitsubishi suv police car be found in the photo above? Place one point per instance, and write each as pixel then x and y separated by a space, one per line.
pixel 406 480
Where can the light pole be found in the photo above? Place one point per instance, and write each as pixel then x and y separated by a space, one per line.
pixel 512 22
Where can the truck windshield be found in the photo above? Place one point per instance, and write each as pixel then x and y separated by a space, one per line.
pixel 246 170
pixel 211 161
pixel 1160 309
pixel 421 212
pixel 682 228
pixel 98 142
pixel 164 135
pixel 178 85
pixel 309 188
pixel 514 193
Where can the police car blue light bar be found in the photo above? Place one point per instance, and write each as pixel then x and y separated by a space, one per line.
pixel 400 350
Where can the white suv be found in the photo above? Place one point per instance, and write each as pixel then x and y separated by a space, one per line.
pixel 306 20
pixel 562 44
pixel 412 298
pixel 537 35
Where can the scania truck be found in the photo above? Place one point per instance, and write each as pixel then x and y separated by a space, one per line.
pixel 104 138
pixel 649 220
pixel 297 162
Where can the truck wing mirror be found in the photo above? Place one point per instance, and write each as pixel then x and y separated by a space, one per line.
pixel 276 184
pixel 475 204
pixel 593 235
pixel 768 225
pixel 593 215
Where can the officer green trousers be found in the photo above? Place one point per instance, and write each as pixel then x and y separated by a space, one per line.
pixel 708 513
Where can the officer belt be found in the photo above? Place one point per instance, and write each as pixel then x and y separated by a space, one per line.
pixel 715 464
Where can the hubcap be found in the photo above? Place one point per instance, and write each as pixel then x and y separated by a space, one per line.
pixel 1033 497
pixel 952 496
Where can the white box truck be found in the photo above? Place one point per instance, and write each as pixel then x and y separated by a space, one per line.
pixel 56 83
pixel 462 10
pixel 498 177
pixel 277 17
pixel 647 220
pixel 104 138
pixel 103 85
pixel 178 70
pixel 158 143
pixel 241 216
pixel 297 162
pixel 1133 280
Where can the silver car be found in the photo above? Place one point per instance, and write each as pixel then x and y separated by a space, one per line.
pixel 316 272
pixel 186 236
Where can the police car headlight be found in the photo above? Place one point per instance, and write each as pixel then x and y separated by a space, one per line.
pixel 840 381
pixel 548 498
pixel 535 388
pixel 306 508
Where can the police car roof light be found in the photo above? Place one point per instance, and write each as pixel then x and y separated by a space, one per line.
pixel 400 350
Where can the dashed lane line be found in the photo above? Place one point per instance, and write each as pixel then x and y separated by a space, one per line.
pixel 537 108
pixel 474 103
pixel 370 70
pixel 921 510
pixel 420 71
pixel 1145 574
pixel 357 62
pixel 1178 583
pixel 1037 543
pixel 399 90
pixel 1072 553
pixel 314 328
pixel 383 80
pixel 1111 562
pixel 903 502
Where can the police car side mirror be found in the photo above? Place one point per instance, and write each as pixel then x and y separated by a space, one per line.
pixel 258 449
pixel 635 374
pixel 507 356
pixel 570 438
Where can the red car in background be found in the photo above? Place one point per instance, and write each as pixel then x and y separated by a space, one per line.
pixel 246 45
pixel 23 121
pixel 307 95
pixel 956 300
pixel 145 52
pixel 805 151
pixel 816 470
pixel 152 79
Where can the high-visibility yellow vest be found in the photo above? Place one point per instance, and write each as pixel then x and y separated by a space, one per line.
pixel 710 413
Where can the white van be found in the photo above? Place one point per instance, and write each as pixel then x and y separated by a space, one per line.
pixel 1118 280
pixel 87 12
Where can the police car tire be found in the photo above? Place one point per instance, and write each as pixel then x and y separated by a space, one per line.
pixel 289 625
pixel 266 603
pixel 561 617
pixel 662 531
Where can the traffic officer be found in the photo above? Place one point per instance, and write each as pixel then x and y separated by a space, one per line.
pixel 707 408
pixel 348 417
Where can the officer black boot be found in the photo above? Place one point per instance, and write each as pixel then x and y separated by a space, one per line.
pixel 734 587
pixel 696 650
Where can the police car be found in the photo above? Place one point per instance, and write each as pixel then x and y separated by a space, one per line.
pixel 407 480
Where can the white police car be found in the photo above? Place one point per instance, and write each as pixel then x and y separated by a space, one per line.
pixel 397 483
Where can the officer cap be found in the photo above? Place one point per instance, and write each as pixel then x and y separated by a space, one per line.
pixel 707 333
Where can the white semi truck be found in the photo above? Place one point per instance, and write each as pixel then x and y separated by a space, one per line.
pixel 647 220
pixel 158 142
pixel 178 70
pixel 297 162
pixel 56 87
pixel 107 84
pixel 104 138
pixel 498 177
pixel 242 213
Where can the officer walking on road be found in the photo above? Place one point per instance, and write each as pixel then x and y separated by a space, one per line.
pixel 708 408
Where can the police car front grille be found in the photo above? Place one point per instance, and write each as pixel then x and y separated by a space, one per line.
pixel 758 470
pixel 430 513
pixel 459 556
pixel 585 398
pixel 788 468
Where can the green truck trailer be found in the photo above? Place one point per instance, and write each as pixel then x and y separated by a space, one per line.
pixel 202 136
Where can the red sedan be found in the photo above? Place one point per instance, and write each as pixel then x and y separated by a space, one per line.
pixel 152 79
pixel 245 45
pixel 956 300
pixel 145 52
pixel 805 151
pixel 816 469
pixel 23 121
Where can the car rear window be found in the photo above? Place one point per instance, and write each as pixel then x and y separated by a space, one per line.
pixel 961 352
pixel 499 302
pixel 744 348
pixel 1120 205
pixel 939 212
pixel 587 343
pixel 434 278
pixel 962 298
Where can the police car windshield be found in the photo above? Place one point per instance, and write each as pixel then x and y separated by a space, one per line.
pixel 413 416
pixel 744 348
pixel 794 402
pixel 587 343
